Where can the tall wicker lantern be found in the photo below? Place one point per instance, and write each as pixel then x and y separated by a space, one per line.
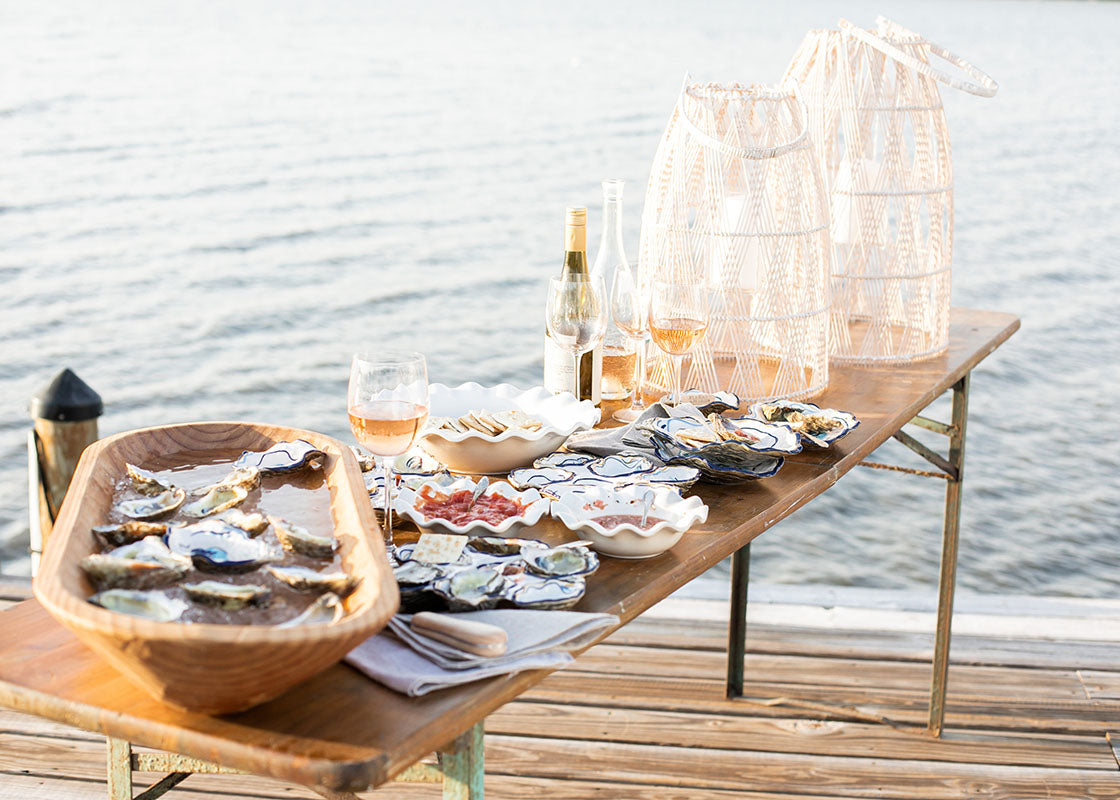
pixel 877 123
pixel 735 200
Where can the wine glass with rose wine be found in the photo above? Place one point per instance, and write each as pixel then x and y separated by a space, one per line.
pixel 388 404
pixel 629 312
pixel 678 318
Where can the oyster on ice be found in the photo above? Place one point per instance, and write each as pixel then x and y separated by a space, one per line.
pixel 310 581
pixel 230 596
pixel 117 534
pixel 253 524
pixel 217 499
pixel 152 507
pixel 217 547
pixel 150 605
pixel 147 483
pixel 140 565
pixel 283 457
pixel 326 609
pixel 245 477
pixel 560 562
pixel 295 539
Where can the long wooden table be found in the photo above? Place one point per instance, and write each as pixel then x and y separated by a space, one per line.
pixel 340 732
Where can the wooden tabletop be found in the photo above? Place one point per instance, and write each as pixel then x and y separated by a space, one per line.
pixel 341 731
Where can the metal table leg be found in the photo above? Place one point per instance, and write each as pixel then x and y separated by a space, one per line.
pixel 737 625
pixel 460 770
pixel 949 539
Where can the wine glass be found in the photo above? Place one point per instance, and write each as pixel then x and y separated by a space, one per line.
pixel 388 405
pixel 576 316
pixel 628 310
pixel 678 318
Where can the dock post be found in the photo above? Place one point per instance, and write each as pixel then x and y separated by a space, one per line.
pixel 65 414
pixel 737 626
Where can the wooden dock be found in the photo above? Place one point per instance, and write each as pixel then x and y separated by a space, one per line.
pixel 829 713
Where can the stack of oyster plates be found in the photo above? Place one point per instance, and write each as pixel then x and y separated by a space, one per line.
pixel 492 571
pixel 553 474
pixel 748 449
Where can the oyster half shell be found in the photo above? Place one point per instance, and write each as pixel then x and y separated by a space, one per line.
pixel 117 534
pixel 216 547
pixel 140 565
pixel 152 507
pixel 150 605
pixel 326 609
pixel 145 482
pixel 230 596
pixel 307 580
pixel 295 539
pixel 219 498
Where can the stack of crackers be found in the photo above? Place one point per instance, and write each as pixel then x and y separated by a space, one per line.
pixel 490 423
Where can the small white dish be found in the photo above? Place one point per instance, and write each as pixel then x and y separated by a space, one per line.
pixel 578 507
pixel 479 453
pixel 536 506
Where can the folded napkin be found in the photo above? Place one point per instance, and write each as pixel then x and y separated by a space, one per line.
pixel 413 664
pixel 627 438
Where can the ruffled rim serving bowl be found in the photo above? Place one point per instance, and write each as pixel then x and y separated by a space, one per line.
pixel 475 452
pixel 536 506
pixel 576 508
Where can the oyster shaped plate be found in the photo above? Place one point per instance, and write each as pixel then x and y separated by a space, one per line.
pixel 213 668
pixel 560 471
pixel 845 421
pixel 407 499
pixel 579 509
pixel 479 453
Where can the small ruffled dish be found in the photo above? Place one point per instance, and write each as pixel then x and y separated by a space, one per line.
pixel 778 413
pixel 481 453
pixel 586 512
pixel 556 471
pixel 408 498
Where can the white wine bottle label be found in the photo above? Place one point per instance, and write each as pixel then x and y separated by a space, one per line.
pixel 558 367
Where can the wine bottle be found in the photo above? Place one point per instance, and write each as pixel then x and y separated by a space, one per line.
pixel 616 356
pixel 558 362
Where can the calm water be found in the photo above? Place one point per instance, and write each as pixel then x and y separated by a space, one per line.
pixel 204 211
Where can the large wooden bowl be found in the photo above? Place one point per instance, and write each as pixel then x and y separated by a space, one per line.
pixel 212 668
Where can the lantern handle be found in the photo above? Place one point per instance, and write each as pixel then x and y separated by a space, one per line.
pixel 982 85
pixel 790 91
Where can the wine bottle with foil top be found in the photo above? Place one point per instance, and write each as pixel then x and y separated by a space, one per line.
pixel 558 362
pixel 617 355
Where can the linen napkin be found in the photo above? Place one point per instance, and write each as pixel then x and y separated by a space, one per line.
pixel 627 439
pixel 413 664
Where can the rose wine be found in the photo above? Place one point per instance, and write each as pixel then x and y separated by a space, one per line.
pixel 619 372
pixel 387 427
pixel 676 336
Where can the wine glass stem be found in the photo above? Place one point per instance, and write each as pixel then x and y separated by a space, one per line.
pixel 677 365
pixel 575 374
pixel 387 469
pixel 636 399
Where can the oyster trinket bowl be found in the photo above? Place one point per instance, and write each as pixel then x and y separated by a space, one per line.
pixel 478 453
pixel 822 426
pixel 610 518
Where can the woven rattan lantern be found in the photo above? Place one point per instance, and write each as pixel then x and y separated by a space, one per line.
pixel 876 120
pixel 735 201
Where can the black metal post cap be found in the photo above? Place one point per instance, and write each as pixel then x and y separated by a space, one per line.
pixel 67 398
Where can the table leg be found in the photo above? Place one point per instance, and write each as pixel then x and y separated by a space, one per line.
pixel 949 540
pixel 737 625
pixel 463 766
pixel 119 757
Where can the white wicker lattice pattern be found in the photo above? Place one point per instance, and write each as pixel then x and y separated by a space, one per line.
pixel 877 123
pixel 735 200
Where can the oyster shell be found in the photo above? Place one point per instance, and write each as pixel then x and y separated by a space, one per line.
pixel 140 565
pixel 564 460
pixel 145 482
pixel 416 573
pixel 497 546
pixel 253 524
pixel 245 477
pixel 283 457
pixel 152 507
pixel 471 589
pixel 219 498
pixel 561 562
pixel 116 534
pixel 217 547
pixel 310 581
pixel 295 539
pixel 230 596
pixel 366 462
pixel 150 605
pixel 326 609
pixel 531 591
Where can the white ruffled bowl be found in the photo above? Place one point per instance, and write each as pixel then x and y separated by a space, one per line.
pixel 406 498
pixel 485 454
pixel 576 507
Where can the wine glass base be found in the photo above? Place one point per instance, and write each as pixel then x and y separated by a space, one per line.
pixel 628 414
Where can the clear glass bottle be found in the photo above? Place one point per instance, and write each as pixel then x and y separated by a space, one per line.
pixel 616 357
